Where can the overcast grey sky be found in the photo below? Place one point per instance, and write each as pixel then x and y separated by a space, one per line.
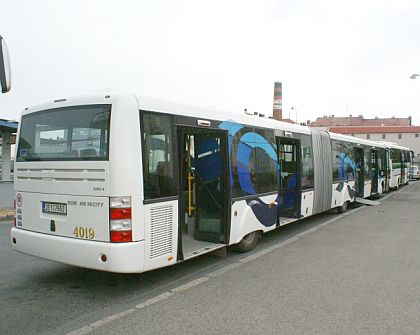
pixel 333 57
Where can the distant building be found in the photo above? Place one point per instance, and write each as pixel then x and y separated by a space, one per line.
pixel 396 130
pixel 327 122
pixel 407 136
pixel 287 120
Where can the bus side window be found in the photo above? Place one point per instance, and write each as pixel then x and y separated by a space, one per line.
pixel 157 149
pixel 87 153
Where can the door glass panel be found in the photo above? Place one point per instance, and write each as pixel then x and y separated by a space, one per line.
pixel 359 157
pixel 209 186
pixel 204 184
pixel 374 171
pixel 288 162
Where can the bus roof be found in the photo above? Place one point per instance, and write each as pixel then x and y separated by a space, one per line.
pixel 164 106
pixel 151 104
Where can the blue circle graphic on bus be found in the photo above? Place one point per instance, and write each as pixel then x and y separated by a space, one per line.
pixel 247 143
pixel 265 213
pixel 232 128
pixel 343 162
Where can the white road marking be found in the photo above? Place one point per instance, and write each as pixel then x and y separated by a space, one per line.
pixel 81 331
pixel 284 243
pixel 111 318
pixel 216 273
pixel 398 191
pixel 149 302
pixel 255 256
pixel 190 284
pixel 154 300
pixel 224 269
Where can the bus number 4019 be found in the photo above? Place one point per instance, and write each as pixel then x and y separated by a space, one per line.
pixel 84 232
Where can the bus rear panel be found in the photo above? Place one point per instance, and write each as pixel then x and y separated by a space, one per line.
pixel 67 207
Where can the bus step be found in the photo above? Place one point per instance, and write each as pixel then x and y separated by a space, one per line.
pixel 202 251
pixel 367 202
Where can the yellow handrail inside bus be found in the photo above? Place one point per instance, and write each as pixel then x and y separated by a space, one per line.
pixel 280 173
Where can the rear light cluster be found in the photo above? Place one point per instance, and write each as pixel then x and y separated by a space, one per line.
pixel 120 219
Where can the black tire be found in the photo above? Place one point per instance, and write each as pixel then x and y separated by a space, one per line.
pixel 343 207
pixel 249 241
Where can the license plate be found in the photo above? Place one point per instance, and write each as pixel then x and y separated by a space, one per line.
pixel 54 208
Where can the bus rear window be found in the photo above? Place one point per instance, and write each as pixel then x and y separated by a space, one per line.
pixel 65 134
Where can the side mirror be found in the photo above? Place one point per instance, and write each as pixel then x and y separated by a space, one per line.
pixel 5 79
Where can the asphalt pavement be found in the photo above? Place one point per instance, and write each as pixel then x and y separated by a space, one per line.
pixel 358 275
pixel 352 274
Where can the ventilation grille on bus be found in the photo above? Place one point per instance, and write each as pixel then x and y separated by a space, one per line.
pixel 161 219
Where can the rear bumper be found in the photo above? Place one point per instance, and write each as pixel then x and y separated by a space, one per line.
pixel 120 257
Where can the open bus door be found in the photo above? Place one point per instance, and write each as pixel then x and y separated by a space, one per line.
pixel 360 165
pixel 204 186
pixel 290 182
pixel 383 169
pixel 375 171
pixel 405 167
pixel 388 169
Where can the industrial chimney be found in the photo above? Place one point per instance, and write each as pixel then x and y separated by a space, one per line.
pixel 277 101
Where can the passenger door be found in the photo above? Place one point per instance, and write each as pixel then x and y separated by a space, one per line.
pixel 290 181
pixel 205 191
pixel 360 180
pixel 211 185
pixel 375 171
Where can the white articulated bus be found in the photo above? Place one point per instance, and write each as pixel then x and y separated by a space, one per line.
pixel 124 183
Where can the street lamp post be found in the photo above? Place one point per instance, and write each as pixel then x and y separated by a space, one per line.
pixel 293 108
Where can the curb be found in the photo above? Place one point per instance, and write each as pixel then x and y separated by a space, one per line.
pixel 7 214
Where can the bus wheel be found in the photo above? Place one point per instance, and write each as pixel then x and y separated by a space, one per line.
pixel 343 207
pixel 249 241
